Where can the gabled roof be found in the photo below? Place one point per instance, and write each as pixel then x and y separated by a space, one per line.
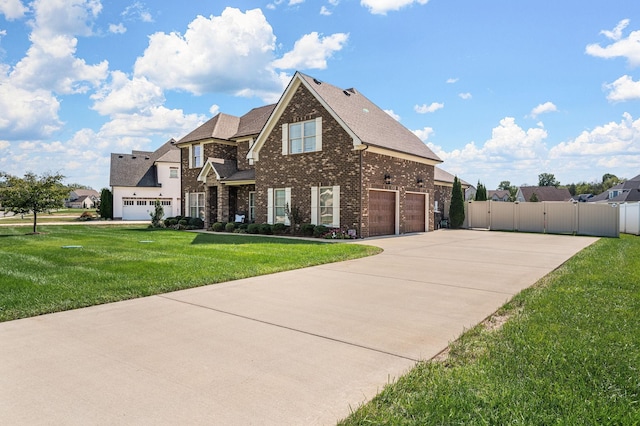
pixel 443 176
pixel 86 193
pixel 545 193
pixel 252 122
pixel 222 126
pixel 629 191
pixel 500 193
pixel 363 120
pixel 137 168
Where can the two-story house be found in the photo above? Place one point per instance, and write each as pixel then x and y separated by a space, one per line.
pixel 330 153
pixel 139 179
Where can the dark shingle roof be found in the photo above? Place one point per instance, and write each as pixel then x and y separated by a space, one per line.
pixel 369 122
pixel 222 126
pixel 252 122
pixel 242 175
pixel 545 193
pixel 441 175
pixel 137 168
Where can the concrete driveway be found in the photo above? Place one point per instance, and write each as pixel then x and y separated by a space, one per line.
pixel 295 348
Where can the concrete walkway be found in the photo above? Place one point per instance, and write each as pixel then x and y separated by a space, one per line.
pixel 295 348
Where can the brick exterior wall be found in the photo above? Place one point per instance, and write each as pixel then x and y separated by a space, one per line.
pixel 242 150
pixel 404 176
pixel 443 195
pixel 336 164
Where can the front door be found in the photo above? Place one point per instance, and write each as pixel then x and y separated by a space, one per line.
pixel 213 204
pixel 233 203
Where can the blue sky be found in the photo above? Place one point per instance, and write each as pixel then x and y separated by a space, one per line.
pixel 499 89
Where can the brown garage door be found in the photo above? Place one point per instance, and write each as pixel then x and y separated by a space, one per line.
pixel 382 213
pixel 414 207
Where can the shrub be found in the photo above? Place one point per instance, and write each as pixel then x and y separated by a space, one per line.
pixel 170 222
pixel 279 228
pixel 217 227
pixel 230 227
pixel 182 223
pixel 156 216
pixel 86 216
pixel 307 229
pixel 253 228
pixel 320 230
pixel 196 223
pixel 265 229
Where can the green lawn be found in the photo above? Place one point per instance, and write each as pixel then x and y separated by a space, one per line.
pixel 569 354
pixel 38 275
pixel 62 215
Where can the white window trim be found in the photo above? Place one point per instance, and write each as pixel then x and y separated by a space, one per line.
pixel 286 142
pixel 188 199
pixel 315 206
pixel 252 208
pixel 271 205
pixel 191 165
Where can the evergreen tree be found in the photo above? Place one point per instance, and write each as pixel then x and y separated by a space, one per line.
pixel 456 211
pixel 481 192
pixel 106 204
pixel 534 198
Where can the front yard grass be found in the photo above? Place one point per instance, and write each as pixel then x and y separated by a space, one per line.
pixel 568 354
pixel 38 275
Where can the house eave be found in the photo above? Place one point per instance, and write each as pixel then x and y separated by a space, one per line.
pixel 402 155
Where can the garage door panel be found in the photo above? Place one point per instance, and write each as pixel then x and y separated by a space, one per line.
pixel 382 213
pixel 415 212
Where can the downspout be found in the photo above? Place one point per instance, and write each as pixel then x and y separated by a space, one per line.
pixel 361 188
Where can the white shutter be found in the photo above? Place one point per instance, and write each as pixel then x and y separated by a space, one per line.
pixel 336 207
pixel 287 200
pixel 270 206
pixel 190 156
pixel 314 205
pixel 186 204
pixel 285 139
pixel 318 133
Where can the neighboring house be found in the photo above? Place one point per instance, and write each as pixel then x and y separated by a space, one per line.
pixel 498 195
pixel 582 198
pixel 443 188
pixel 139 179
pixel 542 193
pixel 330 153
pixel 625 192
pixel 82 199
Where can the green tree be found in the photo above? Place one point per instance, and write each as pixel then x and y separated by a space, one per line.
pixel 106 204
pixel 547 179
pixel 481 192
pixel 156 216
pixel 534 198
pixel 35 194
pixel 505 185
pixel 456 211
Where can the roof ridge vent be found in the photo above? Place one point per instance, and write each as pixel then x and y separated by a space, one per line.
pixel 351 90
pixel 346 92
pixel 316 81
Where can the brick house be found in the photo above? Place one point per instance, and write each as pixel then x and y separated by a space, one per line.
pixel 330 153
pixel 443 189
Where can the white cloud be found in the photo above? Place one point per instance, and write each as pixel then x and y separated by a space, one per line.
pixel 324 11
pixel 117 29
pixel 12 9
pixel 465 96
pixel 623 89
pixel 392 114
pixel 312 51
pixel 137 12
pixel 69 17
pixel 154 121
pixel 381 7
pixel 334 2
pixel 628 48
pixel 452 80
pixel 424 133
pixel 610 140
pixel 294 2
pixel 542 109
pixel 424 108
pixel 4 144
pixel 215 109
pixel 229 53
pixel 123 95
pixel 616 34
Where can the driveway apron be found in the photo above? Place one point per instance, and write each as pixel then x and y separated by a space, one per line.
pixel 294 348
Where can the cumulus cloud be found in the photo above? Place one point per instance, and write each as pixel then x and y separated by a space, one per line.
pixel 324 11
pixel 623 89
pixel 628 47
pixel 311 51
pixel 452 80
pixel 424 108
pixel 392 114
pixel 70 17
pixel 12 9
pixel 123 95
pixel 543 109
pixel 423 133
pixel 229 53
pixel 381 7
pixel 117 29
pixel 465 96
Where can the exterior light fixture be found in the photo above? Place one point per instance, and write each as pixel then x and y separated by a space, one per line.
pixel 134 194
pixel 387 179
pixel 420 182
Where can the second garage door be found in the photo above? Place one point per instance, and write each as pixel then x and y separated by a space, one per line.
pixel 382 213
pixel 415 212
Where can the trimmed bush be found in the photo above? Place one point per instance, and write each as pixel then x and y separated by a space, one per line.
pixel 253 228
pixel 217 227
pixel 307 229
pixel 279 228
pixel 320 230
pixel 230 227
pixel 196 223
pixel 266 229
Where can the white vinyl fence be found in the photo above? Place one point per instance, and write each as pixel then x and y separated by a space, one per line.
pixel 601 220
pixel 630 218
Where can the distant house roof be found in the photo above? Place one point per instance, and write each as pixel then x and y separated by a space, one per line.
pixel 545 193
pixel 222 126
pixel 628 191
pixel 443 176
pixel 365 122
pixel 137 168
pixel 499 193
pixel 252 122
pixel 86 193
